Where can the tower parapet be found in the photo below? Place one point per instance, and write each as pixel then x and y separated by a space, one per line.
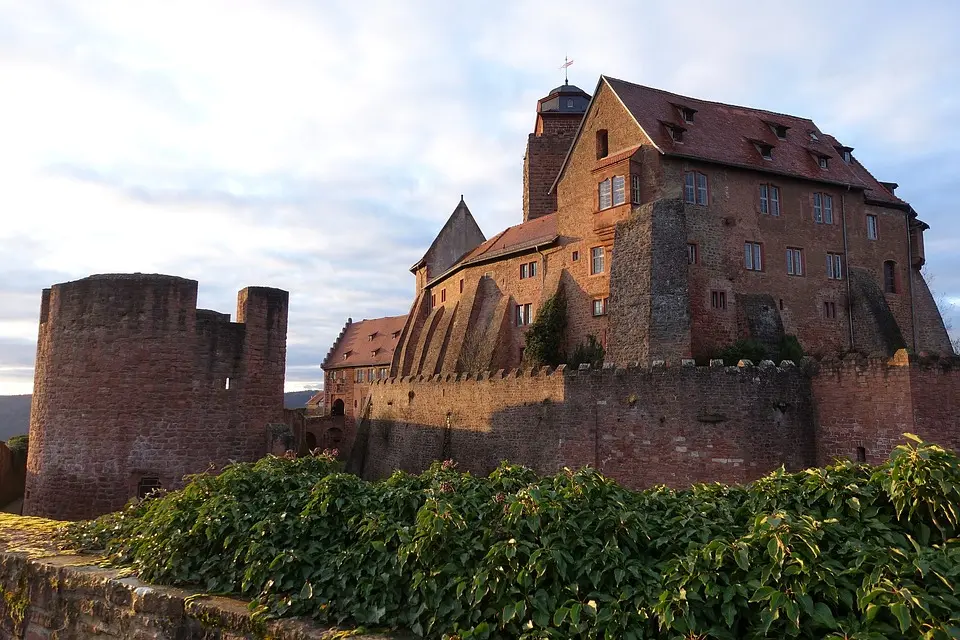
pixel 135 387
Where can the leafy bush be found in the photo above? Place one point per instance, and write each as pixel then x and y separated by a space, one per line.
pixel 18 446
pixel 746 349
pixel 755 351
pixel 544 340
pixel 591 352
pixel 850 551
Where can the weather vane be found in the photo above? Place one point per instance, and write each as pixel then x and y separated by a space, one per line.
pixel 566 65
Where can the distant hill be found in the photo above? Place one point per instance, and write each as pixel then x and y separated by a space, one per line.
pixel 15 411
pixel 14 416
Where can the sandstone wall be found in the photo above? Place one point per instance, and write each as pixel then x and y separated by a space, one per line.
pixel 640 426
pixel 133 382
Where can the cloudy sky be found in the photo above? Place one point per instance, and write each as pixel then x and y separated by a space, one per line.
pixel 319 146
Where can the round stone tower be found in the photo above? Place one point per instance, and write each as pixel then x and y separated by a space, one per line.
pixel 135 387
pixel 559 115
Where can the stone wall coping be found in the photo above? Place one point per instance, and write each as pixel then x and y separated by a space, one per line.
pixel 878 363
pixel 58 583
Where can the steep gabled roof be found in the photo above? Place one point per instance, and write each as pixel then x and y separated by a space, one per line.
pixel 368 343
pixel 733 135
pixel 522 237
pixel 459 235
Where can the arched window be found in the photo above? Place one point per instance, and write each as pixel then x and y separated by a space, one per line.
pixel 602 148
pixel 337 408
pixel 890 276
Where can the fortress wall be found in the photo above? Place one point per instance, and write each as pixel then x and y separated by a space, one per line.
pixel 673 425
pixel 870 402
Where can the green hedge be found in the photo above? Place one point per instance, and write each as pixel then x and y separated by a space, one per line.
pixel 850 551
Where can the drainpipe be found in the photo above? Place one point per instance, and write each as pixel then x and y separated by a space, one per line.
pixel 913 309
pixel 846 260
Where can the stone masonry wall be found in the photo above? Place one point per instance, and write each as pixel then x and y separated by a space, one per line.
pixel 868 403
pixel 134 381
pixel 672 425
pixel 51 595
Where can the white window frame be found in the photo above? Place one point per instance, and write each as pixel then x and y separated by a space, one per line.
pixel 835 266
pixel 690 187
pixel 873 227
pixel 523 271
pixel 753 256
pixel 794 261
pixel 597 260
pixel 817 207
pixel 693 253
pixel 532 269
pixel 764 198
pixel 599 307
pixel 827 209
pixel 605 195
pixel 524 313
pixel 774 200
pixel 634 188
pixel 619 190
pixel 703 192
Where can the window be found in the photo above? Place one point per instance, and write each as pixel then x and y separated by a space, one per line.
pixel 619 190
pixel 533 269
pixel 752 256
pixel 575 257
pixel 687 113
pixel 226 384
pixel 770 199
pixel 834 266
pixel 780 131
pixel 602 144
pixel 829 310
pixel 359 376
pixel 605 198
pixel 861 454
pixel 523 314
pixel 443 295
pixel 822 208
pixel 600 307
pixel 523 271
pixel 433 300
pixel 676 133
pixel 718 299
pixel 794 262
pixel 528 270
pixel 635 189
pixel 692 253
pixel 382 374
pixel 569 103
pixel 846 156
pixel 766 151
pixel 369 375
pixel 461 285
pixel 147 485
pixel 871 227
pixel 824 162
pixel 596 260
pixel 695 188
pixel 890 276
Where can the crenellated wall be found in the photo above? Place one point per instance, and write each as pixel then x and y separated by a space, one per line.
pixel 676 425
pixel 641 426
pixel 133 382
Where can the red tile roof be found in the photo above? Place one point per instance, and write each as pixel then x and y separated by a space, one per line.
pixel 368 343
pixel 535 232
pixel 729 134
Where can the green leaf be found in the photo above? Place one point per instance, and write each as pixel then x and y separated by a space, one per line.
pixel 307 591
pixel 902 613
pixel 824 615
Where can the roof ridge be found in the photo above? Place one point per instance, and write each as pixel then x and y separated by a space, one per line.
pixel 714 102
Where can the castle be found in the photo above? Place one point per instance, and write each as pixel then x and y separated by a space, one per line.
pixel 673 226
pixel 135 387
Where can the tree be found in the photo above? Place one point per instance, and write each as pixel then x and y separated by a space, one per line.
pixel 544 339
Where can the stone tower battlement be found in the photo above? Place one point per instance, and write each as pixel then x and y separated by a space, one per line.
pixel 135 387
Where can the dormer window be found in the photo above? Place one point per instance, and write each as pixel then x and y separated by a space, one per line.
pixel 347 354
pixel 686 113
pixel 395 335
pixel 766 150
pixel 823 161
pixel 813 136
pixel 846 153
pixel 375 352
pixel 676 131
pixel 847 157
pixel 372 336
pixel 779 130
pixel 569 103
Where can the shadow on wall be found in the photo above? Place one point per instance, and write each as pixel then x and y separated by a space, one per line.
pixel 13 473
pixel 640 428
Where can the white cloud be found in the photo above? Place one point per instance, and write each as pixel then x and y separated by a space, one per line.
pixel 317 146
